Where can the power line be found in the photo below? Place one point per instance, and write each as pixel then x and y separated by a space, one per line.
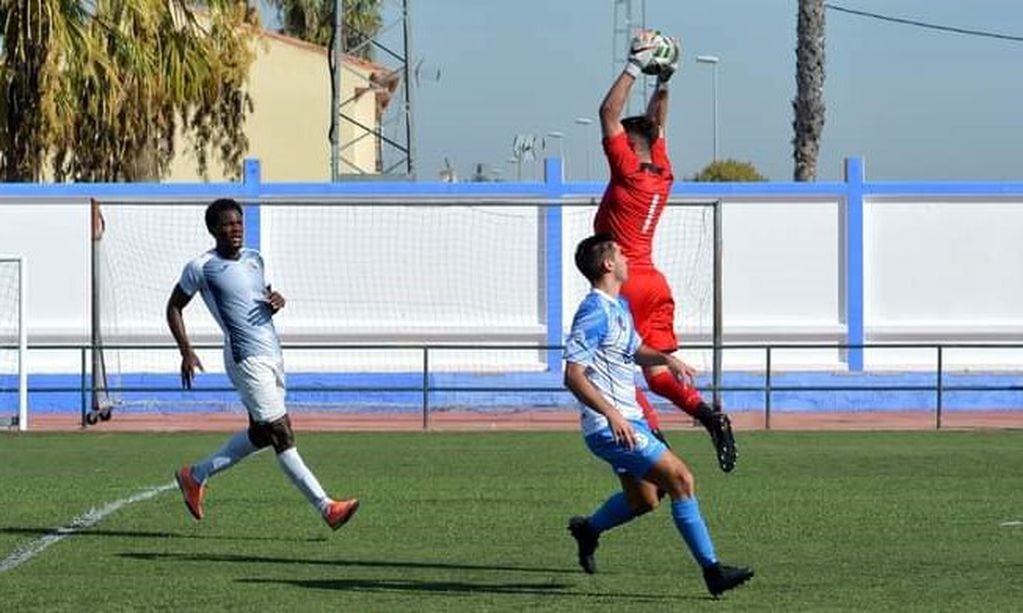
pixel 921 24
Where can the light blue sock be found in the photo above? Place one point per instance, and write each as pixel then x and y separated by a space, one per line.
pixel 691 526
pixel 614 512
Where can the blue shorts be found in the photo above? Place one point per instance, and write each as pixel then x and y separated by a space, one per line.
pixel 636 462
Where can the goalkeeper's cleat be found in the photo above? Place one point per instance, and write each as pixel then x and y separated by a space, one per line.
pixel 587 542
pixel 719 426
pixel 338 512
pixel 720 578
pixel 191 490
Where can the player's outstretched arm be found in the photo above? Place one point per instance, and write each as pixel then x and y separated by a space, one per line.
pixel 647 356
pixel 583 390
pixel 176 322
pixel 614 103
pixel 657 108
pixel 640 54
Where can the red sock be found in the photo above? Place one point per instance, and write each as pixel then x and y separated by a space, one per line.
pixel 649 413
pixel 683 396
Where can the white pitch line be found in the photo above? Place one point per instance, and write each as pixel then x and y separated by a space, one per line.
pixel 1006 524
pixel 83 522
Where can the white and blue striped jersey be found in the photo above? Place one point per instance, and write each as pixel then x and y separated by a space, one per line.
pixel 604 340
pixel 235 293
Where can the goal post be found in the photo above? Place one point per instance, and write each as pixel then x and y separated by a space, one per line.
pixel 688 250
pixel 101 402
pixel 14 335
pixel 489 282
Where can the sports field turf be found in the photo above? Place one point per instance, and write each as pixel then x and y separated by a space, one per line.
pixel 924 521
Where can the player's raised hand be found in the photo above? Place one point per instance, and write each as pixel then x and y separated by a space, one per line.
pixel 622 430
pixel 682 371
pixel 274 299
pixel 189 363
pixel 641 51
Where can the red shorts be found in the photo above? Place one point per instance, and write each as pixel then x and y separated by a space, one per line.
pixel 653 308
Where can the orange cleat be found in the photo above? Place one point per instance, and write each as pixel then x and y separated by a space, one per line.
pixel 338 512
pixel 191 491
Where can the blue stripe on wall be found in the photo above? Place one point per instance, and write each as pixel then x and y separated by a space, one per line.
pixel 553 270
pixel 380 392
pixel 251 174
pixel 853 239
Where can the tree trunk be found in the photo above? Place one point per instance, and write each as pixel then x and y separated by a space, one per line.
pixel 26 51
pixel 809 103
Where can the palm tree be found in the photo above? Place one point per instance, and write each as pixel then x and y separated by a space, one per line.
pixel 809 103
pixel 313 21
pixel 101 89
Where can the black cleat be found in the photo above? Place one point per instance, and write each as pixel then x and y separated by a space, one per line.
pixel 719 426
pixel 721 578
pixel 587 542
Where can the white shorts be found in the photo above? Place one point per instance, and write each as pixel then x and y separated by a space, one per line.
pixel 260 382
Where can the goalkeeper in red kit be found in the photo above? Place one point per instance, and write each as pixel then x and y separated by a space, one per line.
pixel 632 204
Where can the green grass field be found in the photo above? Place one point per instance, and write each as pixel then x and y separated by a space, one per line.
pixel 476 521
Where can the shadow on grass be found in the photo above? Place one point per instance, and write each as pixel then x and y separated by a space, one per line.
pixel 412 585
pixel 142 534
pixel 463 588
pixel 248 559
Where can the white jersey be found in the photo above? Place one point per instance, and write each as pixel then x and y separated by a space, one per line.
pixel 235 293
pixel 604 340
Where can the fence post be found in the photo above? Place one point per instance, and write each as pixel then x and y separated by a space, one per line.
pixel 937 412
pixel 767 391
pixel 426 388
pixel 83 385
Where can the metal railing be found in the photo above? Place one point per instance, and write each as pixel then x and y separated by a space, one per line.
pixel 768 388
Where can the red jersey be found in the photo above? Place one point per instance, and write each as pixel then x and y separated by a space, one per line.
pixel 635 197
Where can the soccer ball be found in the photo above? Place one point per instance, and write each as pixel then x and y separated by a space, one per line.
pixel 666 52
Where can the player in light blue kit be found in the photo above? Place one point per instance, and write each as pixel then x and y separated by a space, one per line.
pixel 231 281
pixel 600 354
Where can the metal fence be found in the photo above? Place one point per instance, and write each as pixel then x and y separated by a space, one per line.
pixel 550 382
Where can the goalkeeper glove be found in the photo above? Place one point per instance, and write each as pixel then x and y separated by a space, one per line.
pixel 641 51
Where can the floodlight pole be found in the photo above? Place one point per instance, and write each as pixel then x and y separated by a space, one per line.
pixel 713 60
pixel 585 121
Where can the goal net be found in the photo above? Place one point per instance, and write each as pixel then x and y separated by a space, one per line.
pixel 687 251
pixel 13 343
pixel 469 299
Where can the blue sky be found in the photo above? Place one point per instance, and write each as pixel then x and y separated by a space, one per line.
pixel 914 103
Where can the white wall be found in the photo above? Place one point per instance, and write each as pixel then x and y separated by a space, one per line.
pixel 943 270
pixel 933 270
pixel 55 240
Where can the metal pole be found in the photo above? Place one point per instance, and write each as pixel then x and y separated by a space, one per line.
pixel 335 95
pixel 767 392
pixel 22 346
pixel 715 78
pixel 97 367
pixel 426 388
pixel 410 133
pixel 85 400
pixel 937 412
pixel 717 333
